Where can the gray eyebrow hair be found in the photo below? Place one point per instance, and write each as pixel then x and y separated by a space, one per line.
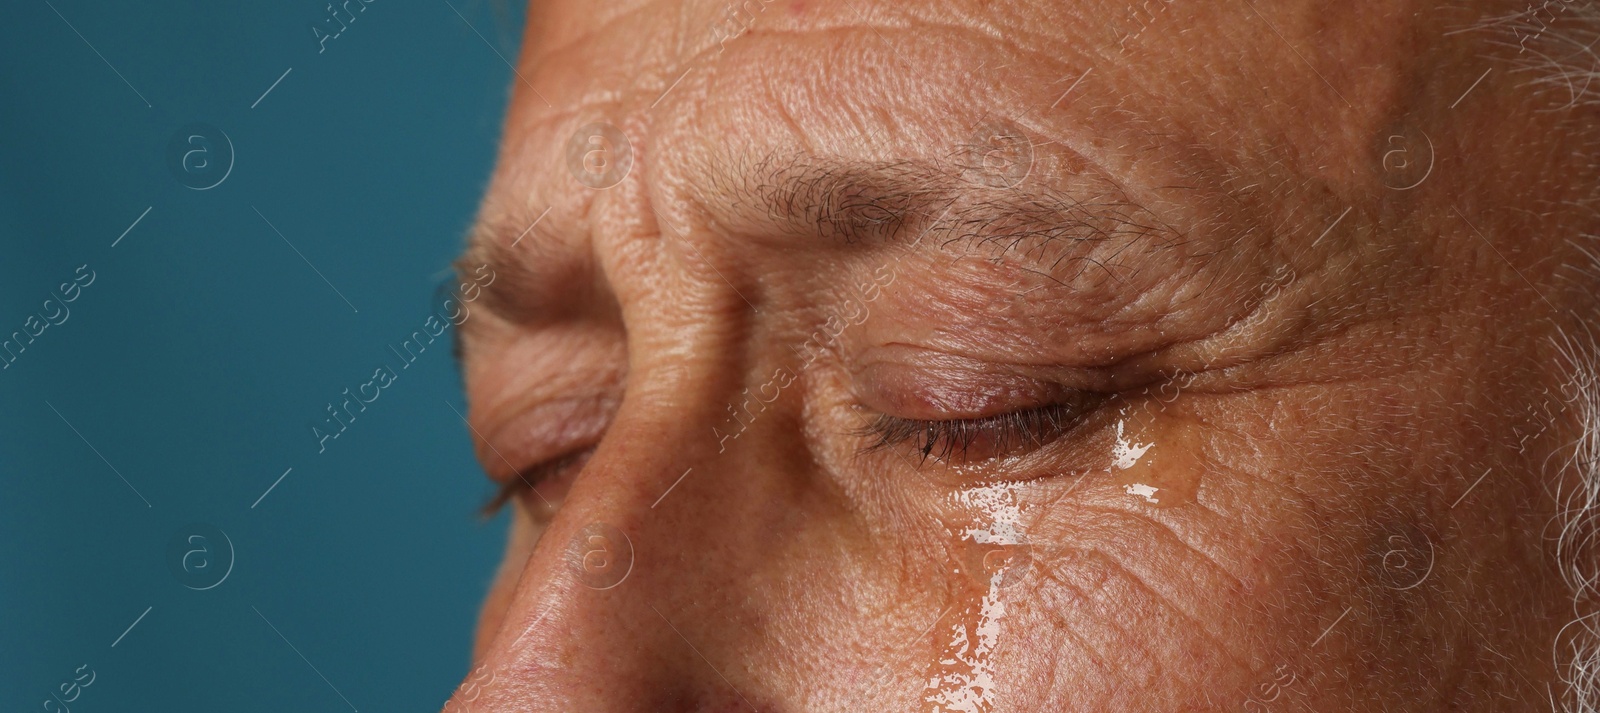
pixel 903 200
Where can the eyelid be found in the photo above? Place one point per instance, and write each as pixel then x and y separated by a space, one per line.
pixel 1010 433
pixel 544 433
pixel 529 480
pixel 920 385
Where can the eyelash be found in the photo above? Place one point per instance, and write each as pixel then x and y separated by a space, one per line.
pixel 528 478
pixel 1011 432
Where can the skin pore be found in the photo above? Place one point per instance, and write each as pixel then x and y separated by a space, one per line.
pixel 1016 356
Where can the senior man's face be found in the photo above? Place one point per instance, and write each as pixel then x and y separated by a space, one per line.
pixel 1011 356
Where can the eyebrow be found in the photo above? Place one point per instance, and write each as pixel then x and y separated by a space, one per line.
pixel 532 280
pixel 909 200
pixel 847 202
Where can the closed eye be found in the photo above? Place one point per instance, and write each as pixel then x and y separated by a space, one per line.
pixel 528 480
pixel 972 440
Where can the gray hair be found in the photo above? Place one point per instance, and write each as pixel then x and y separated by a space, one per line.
pixel 1576 649
pixel 1550 47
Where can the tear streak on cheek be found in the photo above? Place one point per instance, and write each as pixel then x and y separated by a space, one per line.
pixel 1163 471
pixel 1156 460
pixel 963 678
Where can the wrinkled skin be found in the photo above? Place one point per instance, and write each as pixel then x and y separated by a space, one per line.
pixel 1322 401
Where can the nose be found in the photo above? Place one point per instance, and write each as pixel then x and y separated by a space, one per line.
pixel 628 600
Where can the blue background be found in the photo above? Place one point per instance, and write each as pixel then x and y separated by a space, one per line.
pixel 205 350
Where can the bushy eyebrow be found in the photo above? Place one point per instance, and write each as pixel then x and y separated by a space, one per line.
pixel 840 199
pixel 921 203
pixel 939 202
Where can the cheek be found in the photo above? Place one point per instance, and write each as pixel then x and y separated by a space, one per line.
pixel 1159 461
pixel 1167 576
pixel 1128 607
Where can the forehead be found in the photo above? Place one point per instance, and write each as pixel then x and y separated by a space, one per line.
pixel 1146 100
pixel 711 88
pixel 1261 123
pixel 1296 57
